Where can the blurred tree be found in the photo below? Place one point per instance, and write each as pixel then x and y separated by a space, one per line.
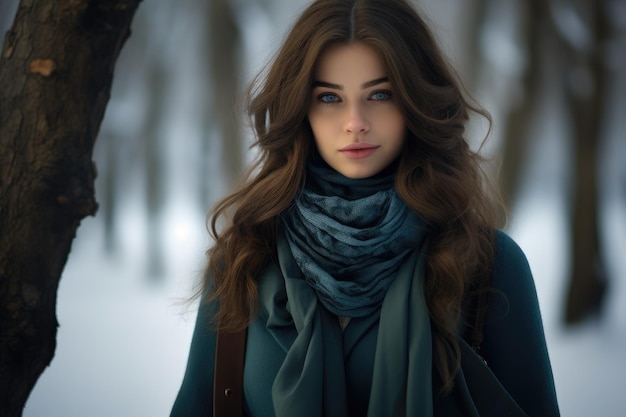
pixel 533 25
pixel 138 128
pixel 56 69
pixel 585 87
pixel 109 178
pixel 153 154
pixel 476 15
pixel 222 60
pixel 579 29
pixel 202 46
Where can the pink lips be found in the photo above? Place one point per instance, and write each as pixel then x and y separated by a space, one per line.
pixel 358 150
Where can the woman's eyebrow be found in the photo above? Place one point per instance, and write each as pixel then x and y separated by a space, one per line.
pixel 374 82
pixel 365 85
pixel 327 85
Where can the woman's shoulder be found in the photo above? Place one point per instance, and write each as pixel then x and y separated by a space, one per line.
pixel 514 340
pixel 509 259
pixel 511 272
pixel 507 252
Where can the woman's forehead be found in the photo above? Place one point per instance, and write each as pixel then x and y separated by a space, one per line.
pixel 350 62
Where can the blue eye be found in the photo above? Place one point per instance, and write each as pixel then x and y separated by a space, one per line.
pixel 381 96
pixel 328 98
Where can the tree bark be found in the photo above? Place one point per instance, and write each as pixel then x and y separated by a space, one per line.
pixel 56 68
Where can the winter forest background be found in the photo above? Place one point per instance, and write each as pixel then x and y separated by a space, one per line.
pixel 551 72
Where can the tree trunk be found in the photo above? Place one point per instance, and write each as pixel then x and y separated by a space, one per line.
pixel 223 61
pixel 154 165
pixel 586 101
pixel 56 68
pixel 475 20
pixel 517 139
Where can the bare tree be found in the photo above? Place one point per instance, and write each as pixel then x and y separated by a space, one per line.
pixel 585 86
pixel 534 22
pixel 224 44
pixel 154 166
pixel 475 21
pixel 56 69
pixel 579 59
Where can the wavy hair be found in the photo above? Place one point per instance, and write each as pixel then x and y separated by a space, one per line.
pixel 438 176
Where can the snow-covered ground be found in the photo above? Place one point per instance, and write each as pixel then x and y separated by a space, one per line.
pixel 122 341
pixel 589 361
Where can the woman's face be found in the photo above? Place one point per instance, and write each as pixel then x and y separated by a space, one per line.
pixel 357 123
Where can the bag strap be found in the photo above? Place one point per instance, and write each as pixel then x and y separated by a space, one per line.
pixel 477 309
pixel 230 353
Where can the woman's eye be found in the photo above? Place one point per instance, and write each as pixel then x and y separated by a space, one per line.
pixel 328 98
pixel 381 96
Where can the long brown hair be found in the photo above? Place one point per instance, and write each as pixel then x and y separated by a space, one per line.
pixel 438 176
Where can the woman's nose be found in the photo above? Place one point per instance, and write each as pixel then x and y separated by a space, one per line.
pixel 356 121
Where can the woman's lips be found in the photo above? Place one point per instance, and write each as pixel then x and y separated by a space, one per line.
pixel 358 150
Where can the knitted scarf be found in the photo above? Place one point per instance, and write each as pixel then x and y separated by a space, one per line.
pixel 349 237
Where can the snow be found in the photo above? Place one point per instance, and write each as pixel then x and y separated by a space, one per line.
pixel 122 341
pixel 587 360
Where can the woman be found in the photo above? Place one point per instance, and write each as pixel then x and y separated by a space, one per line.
pixel 356 250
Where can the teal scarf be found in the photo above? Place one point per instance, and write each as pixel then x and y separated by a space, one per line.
pixel 311 380
pixel 349 237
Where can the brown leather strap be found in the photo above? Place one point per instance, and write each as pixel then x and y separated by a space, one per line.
pixel 228 376
pixel 475 337
pixel 474 333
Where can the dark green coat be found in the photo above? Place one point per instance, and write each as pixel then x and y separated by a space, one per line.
pixel 514 347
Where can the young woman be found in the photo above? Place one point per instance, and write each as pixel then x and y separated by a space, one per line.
pixel 357 249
